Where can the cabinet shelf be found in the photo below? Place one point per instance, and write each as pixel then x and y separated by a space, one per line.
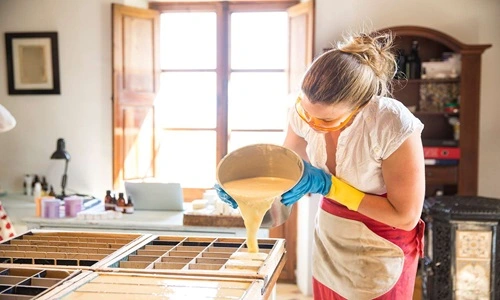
pixel 427 80
pixel 436 113
pixel 440 143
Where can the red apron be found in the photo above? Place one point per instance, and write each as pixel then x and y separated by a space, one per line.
pixel 410 242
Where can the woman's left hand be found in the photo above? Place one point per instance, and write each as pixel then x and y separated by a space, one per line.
pixel 225 196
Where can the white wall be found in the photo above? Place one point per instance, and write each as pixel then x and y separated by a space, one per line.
pixel 136 3
pixel 468 21
pixel 81 114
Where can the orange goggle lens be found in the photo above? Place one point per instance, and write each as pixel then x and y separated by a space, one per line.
pixel 318 124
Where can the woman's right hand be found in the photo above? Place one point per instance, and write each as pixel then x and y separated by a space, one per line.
pixel 225 196
pixel 313 180
pixel 317 181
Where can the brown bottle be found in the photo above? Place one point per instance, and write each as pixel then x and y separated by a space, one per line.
pixel 129 208
pixel 45 185
pixel 120 203
pixel 52 193
pixel 108 201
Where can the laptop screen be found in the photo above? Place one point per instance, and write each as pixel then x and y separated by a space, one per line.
pixel 155 195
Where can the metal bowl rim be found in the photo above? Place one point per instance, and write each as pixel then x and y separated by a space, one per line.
pixel 266 145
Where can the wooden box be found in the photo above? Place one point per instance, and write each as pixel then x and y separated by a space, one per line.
pixel 140 286
pixel 24 282
pixel 185 267
pixel 75 250
pixel 200 256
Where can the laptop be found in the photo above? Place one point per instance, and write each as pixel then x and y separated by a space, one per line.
pixel 155 195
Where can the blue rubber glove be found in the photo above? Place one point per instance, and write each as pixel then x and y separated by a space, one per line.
pixel 225 197
pixel 314 180
pixel 317 181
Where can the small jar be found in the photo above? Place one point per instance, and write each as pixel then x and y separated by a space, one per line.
pixel 129 208
pixel 120 203
pixel 72 206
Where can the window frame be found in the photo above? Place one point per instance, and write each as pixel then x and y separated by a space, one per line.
pixel 223 11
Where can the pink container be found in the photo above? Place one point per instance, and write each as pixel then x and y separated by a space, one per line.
pixel 50 208
pixel 72 206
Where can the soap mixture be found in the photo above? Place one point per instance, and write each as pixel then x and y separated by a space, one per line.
pixel 255 197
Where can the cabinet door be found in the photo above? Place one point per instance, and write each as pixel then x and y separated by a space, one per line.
pixel 441 175
pixel 135 85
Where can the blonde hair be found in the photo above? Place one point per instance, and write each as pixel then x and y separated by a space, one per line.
pixel 359 68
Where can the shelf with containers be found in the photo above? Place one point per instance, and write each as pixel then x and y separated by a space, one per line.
pixel 447 101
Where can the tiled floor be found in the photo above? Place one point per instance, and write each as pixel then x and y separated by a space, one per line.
pixel 286 291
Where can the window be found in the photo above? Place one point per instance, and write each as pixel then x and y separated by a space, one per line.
pixel 223 85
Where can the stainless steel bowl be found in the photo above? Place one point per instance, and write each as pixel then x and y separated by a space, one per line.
pixel 263 160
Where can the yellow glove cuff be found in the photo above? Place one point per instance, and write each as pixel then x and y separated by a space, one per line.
pixel 345 194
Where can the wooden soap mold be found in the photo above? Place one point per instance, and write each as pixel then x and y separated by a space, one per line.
pixel 196 256
pixel 21 282
pixel 82 250
pixel 189 286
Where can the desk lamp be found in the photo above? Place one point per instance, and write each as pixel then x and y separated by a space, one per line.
pixel 61 153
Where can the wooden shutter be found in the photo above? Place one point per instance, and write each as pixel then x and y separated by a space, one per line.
pixel 300 55
pixel 135 85
pixel 301 44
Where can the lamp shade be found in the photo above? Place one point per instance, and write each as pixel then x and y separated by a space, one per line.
pixel 61 152
pixel 7 121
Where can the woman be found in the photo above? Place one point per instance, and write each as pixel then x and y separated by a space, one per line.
pixel 363 152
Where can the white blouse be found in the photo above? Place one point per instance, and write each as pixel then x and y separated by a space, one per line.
pixel 375 133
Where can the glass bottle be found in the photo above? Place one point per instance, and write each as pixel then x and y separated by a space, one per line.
pixel 108 201
pixel 33 182
pixel 51 192
pixel 413 62
pixel 401 65
pixel 28 180
pixel 45 185
pixel 120 203
pixel 129 208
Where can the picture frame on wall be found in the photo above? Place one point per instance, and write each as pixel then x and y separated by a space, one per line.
pixel 32 63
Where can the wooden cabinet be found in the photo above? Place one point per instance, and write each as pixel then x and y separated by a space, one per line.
pixel 441 175
pixel 462 178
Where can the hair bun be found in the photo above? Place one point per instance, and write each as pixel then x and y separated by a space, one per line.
pixel 374 49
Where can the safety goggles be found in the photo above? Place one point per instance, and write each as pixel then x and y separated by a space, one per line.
pixel 322 125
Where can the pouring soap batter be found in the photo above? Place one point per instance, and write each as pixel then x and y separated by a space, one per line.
pixel 255 197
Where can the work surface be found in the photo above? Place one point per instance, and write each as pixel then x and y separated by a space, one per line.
pixel 155 265
pixel 21 210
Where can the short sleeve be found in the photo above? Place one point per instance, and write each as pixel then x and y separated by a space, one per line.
pixel 395 123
